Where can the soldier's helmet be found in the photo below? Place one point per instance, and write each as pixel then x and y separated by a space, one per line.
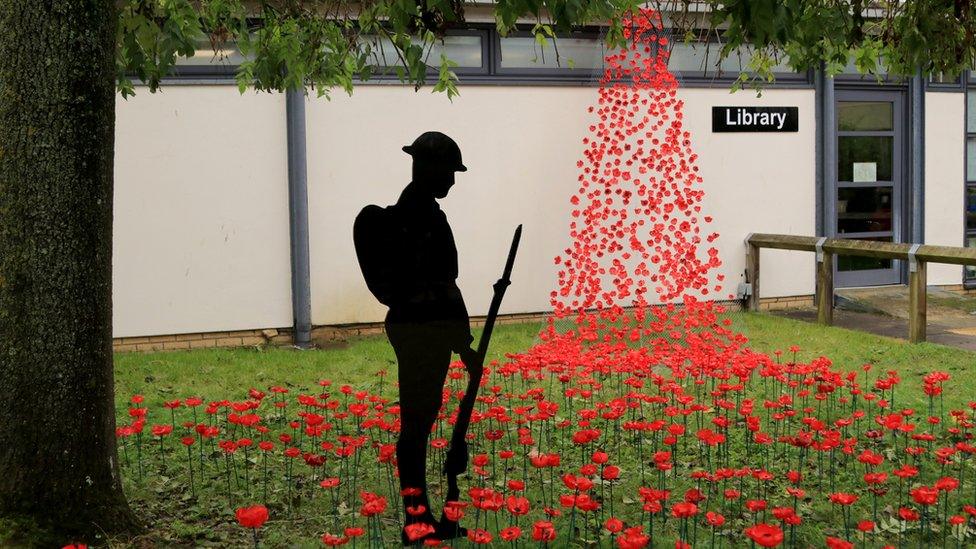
pixel 438 148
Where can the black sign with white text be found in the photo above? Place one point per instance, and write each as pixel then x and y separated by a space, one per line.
pixel 755 119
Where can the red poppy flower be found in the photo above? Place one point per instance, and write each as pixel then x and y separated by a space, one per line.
pixel 543 531
pixel 908 514
pixel 684 510
pixel 837 543
pixel 479 535
pixel 765 535
pixel 331 540
pixel 842 498
pixel 252 517
pixel 925 495
pixel 511 533
pixel 418 530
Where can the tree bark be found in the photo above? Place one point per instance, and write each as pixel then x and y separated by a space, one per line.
pixel 58 459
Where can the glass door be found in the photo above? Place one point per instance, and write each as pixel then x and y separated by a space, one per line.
pixel 868 182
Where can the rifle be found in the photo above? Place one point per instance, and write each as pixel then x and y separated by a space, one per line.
pixel 456 461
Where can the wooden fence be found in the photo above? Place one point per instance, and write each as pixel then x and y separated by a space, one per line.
pixel 917 255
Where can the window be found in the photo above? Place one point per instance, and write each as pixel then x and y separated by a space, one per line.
pixel 209 63
pixel 699 62
pixel 970 271
pixel 464 47
pixel 576 57
pixel 486 57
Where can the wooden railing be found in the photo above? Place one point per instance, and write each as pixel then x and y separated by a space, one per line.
pixel 917 255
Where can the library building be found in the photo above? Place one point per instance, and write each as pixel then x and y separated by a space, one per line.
pixel 234 211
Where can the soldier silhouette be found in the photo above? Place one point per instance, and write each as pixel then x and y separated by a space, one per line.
pixel 409 260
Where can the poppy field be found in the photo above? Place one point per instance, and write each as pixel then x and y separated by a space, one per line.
pixel 631 422
pixel 598 450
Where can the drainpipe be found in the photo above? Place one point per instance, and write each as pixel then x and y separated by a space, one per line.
pixel 918 159
pixel 819 179
pixel 301 295
pixel 828 169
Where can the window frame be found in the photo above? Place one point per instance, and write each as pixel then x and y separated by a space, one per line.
pixel 491 73
pixel 969 87
pixel 958 86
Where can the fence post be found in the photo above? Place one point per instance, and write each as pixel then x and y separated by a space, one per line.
pixel 916 297
pixel 825 285
pixel 752 264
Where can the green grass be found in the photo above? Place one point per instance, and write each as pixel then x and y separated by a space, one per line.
pixel 215 374
pixel 961 303
pixel 849 349
pixel 223 373
pixel 175 517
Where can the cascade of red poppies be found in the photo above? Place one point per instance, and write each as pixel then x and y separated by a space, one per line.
pixel 637 226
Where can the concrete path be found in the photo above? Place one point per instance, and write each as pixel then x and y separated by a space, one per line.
pixel 883 310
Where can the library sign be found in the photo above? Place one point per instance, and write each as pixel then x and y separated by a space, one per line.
pixel 755 119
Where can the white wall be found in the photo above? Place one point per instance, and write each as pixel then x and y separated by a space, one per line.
pixel 521 145
pixel 201 224
pixel 201 212
pixel 758 183
pixel 945 119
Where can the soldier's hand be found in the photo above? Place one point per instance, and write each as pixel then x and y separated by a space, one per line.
pixel 471 360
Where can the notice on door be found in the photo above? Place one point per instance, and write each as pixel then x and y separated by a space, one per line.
pixel 865 172
pixel 755 119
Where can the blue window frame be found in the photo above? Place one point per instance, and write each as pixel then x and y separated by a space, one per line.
pixel 485 57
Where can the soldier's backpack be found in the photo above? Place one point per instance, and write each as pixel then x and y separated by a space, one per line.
pixel 372 235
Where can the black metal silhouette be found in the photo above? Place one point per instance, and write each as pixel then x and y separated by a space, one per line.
pixel 457 457
pixel 409 259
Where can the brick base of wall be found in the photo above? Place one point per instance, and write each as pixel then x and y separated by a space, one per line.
pixel 324 336
pixel 786 302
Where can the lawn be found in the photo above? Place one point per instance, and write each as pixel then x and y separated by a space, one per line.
pixel 156 469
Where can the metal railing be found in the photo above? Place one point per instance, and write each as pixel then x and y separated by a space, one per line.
pixel 917 255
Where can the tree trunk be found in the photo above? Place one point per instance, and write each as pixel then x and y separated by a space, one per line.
pixel 58 460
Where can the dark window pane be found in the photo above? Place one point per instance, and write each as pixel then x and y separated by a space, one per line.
pixel 970 269
pixel 944 78
pixel 205 56
pixel 855 263
pixel 851 68
pixel 703 57
pixel 864 150
pixel 864 209
pixel 865 115
pixel 523 52
pixel 970 207
pixel 465 50
pixel 971 111
pixel 971 159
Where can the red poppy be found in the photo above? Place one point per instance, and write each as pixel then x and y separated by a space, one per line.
pixel 418 530
pixel 633 538
pixel 714 519
pixel 479 535
pixel 543 531
pixel 252 517
pixel 842 498
pixel 511 533
pixel 908 514
pixel 925 495
pixel 837 543
pixel 684 510
pixel 765 535
pixel 331 540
